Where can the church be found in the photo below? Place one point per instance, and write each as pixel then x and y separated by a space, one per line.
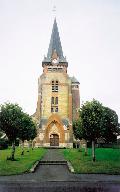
pixel 58 98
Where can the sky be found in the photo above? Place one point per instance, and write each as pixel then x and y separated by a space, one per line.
pixel 90 37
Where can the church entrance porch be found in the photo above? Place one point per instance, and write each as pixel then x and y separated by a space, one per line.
pixel 54 140
pixel 54 134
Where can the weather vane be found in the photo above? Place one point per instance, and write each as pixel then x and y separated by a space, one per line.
pixel 54 10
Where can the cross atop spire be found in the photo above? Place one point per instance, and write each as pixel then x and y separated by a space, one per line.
pixel 54 10
pixel 55 45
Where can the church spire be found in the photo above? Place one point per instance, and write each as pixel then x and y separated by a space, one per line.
pixel 55 45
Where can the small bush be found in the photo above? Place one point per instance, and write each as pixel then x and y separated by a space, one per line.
pixel 3 144
pixel 16 142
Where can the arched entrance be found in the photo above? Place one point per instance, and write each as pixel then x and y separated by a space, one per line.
pixel 54 140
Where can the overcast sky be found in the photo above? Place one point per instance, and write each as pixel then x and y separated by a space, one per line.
pixel 90 37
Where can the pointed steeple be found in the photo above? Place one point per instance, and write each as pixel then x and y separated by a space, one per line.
pixel 55 45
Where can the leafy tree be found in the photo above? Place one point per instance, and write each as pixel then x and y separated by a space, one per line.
pixel 3 143
pixel 111 127
pixel 118 141
pixel 77 129
pixel 98 122
pixel 27 130
pixel 10 122
pixel 1 134
pixel 91 115
pixel 32 132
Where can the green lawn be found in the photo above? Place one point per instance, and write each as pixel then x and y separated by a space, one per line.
pixel 107 160
pixel 22 163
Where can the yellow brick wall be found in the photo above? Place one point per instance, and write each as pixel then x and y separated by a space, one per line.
pixel 63 101
pixel 63 94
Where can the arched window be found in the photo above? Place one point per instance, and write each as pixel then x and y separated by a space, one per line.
pixel 56 109
pixel 55 86
pixel 52 109
pixel 56 100
pixel 52 100
pixel 54 104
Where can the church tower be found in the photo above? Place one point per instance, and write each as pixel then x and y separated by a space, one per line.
pixel 58 98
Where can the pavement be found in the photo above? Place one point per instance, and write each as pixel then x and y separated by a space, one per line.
pixel 53 174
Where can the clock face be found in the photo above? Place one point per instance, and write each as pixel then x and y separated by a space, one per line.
pixel 54 61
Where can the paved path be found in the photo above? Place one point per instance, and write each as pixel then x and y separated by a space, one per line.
pixel 58 172
pixel 57 176
pixel 59 187
pixel 53 155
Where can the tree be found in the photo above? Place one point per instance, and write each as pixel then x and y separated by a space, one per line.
pixel 78 131
pixel 1 134
pixel 91 115
pixel 27 130
pixel 111 127
pixel 32 132
pixel 10 122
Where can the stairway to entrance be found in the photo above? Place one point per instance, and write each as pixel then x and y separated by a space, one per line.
pixel 53 166
pixel 53 157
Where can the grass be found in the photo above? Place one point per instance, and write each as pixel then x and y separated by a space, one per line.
pixel 23 162
pixel 107 160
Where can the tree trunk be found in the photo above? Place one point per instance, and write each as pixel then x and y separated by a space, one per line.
pixel 28 146
pixel 13 151
pixel 76 145
pixel 86 153
pixel 93 151
pixel 32 145
pixel 80 147
pixel 22 148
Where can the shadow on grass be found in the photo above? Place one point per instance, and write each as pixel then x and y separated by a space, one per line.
pixel 11 159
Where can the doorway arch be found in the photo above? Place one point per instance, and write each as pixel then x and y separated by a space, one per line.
pixel 54 126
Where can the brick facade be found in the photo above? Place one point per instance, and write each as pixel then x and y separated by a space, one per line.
pixel 58 98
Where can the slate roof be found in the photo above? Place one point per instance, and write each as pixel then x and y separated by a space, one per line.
pixel 65 122
pixel 55 45
pixel 74 80
pixel 42 122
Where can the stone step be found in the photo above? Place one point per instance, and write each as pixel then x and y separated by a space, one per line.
pixel 54 147
pixel 53 162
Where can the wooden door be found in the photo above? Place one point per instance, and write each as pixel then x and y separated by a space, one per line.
pixel 54 140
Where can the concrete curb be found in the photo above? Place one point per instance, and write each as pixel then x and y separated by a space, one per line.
pixel 32 170
pixel 34 167
pixel 70 167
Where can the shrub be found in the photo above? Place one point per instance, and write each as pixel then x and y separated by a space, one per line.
pixel 3 144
